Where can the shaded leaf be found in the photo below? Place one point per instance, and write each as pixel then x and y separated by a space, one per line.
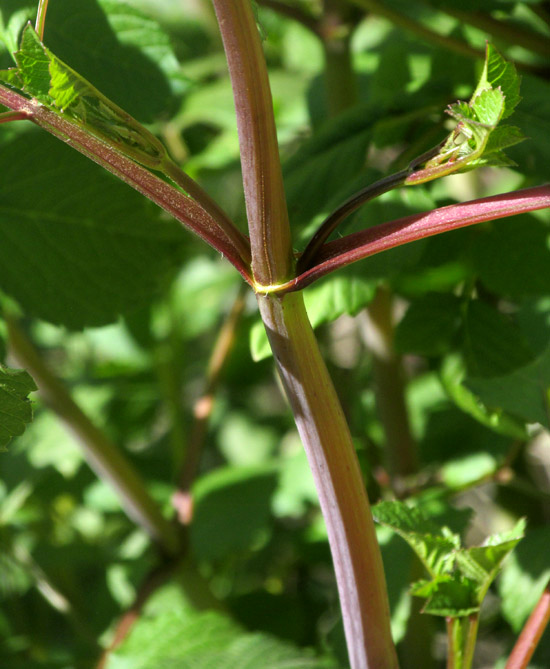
pixel 523 393
pixel 232 508
pixel 15 408
pixel 189 640
pixel 78 247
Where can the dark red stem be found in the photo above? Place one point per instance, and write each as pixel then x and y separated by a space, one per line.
pixel 172 200
pixel 354 247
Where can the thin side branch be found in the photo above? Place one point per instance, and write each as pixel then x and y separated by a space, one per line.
pixel 219 234
pixel 101 454
pixel 354 247
pixel 203 407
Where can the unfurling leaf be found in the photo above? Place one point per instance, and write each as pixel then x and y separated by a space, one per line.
pixel 56 85
pixel 476 140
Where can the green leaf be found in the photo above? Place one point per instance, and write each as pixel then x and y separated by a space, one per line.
pixel 524 577
pixel 467 146
pixel 58 86
pixel 493 344
pixel 447 595
pixel 481 564
pixel 429 325
pixel 172 636
pixel 78 247
pixel 524 393
pixel 498 73
pixel 125 54
pixel 433 546
pixel 513 257
pixel 453 374
pixel 326 163
pixel 15 408
pixel 232 510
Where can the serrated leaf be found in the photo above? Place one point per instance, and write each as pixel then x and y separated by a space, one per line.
pixel 481 564
pixel 189 640
pixel 55 84
pixel 122 51
pixel 499 73
pixel 433 546
pixel 466 148
pixel 78 247
pixel 450 596
pixel 15 409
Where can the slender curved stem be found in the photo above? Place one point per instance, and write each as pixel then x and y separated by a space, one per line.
pixel 41 18
pixel 225 238
pixel 359 245
pixel 329 225
pixel 100 453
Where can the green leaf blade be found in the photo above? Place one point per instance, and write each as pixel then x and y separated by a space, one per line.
pixel 15 409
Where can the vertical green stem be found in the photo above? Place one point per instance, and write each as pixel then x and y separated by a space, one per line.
pixel 340 80
pixel 390 386
pixel 461 638
pixel 326 438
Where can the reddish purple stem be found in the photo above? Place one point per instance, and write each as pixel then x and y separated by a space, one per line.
pixel 531 633
pixel 354 247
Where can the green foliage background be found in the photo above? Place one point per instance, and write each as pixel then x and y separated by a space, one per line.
pixel 126 306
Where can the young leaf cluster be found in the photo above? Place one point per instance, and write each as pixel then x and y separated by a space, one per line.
pixel 477 139
pixel 459 576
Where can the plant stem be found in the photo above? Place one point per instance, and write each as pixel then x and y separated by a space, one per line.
pixel 531 633
pixel 327 441
pixel 203 407
pixel 514 34
pixel 329 225
pixel 333 220
pixel 266 210
pixel 225 238
pixel 318 414
pixel 41 18
pixel 390 387
pixel 359 245
pixel 336 30
pixel 101 454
